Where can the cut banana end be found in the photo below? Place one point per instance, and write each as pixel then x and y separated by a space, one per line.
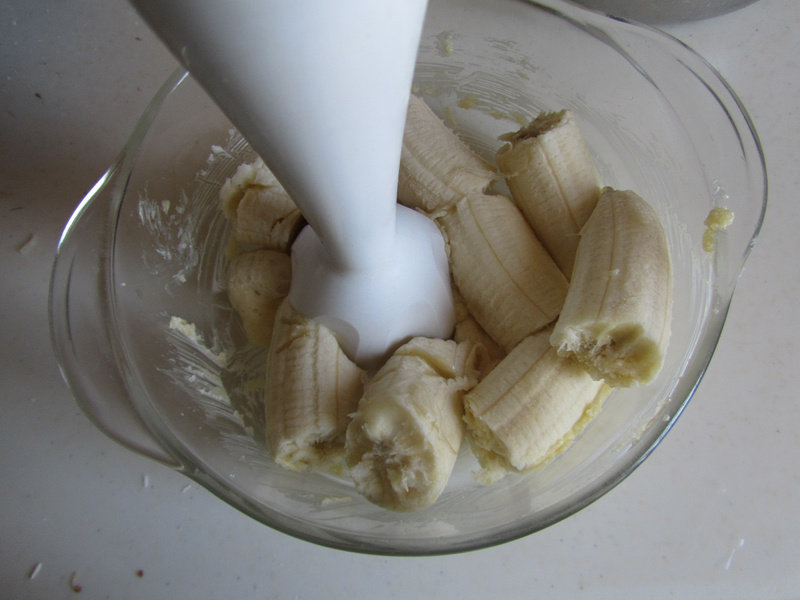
pixel 404 439
pixel 508 281
pixel 553 180
pixel 529 408
pixel 261 212
pixel 258 281
pixel 617 315
pixel 312 388
pixel 436 167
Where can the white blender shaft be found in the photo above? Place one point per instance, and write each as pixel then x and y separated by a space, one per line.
pixel 320 89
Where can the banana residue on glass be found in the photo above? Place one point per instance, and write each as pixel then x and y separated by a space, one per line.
pixel 185 249
pixel 198 364
pixel 172 236
pixel 224 383
pixel 718 219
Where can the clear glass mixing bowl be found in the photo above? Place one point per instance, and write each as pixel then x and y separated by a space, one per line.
pixel 148 343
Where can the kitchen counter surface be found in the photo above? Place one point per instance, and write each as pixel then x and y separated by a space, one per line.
pixel 713 513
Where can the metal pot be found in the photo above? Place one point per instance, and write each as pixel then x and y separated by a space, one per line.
pixel 665 11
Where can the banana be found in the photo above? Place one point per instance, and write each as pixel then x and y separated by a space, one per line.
pixel 268 218
pixel 260 210
pixel 311 390
pixel 467 330
pixel 616 317
pixel 258 281
pixel 247 175
pixel 529 408
pixel 508 281
pixel 436 167
pixel 404 439
pixel 553 180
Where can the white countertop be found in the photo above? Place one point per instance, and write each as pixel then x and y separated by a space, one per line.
pixel 713 513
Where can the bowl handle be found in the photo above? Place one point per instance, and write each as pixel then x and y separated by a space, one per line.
pixel 82 329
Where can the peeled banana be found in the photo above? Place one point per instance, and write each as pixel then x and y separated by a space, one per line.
pixel 247 175
pixel 258 281
pixel 553 180
pixel 436 167
pixel 267 217
pixel 616 317
pixel 261 211
pixel 529 407
pixel 467 330
pixel 404 439
pixel 312 388
pixel 508 281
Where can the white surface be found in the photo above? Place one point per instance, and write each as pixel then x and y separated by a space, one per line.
pixel 711 514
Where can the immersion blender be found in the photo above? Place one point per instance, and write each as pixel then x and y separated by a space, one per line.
pixel 320 89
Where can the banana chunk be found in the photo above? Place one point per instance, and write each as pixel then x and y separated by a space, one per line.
pixel 436 167
pixel 312 388
pixel 260 210
pixel 467 330
pixel 553 180
pixel 247 175
pixel 268 218
pixel 404 439
pixel 529 407
pixel 508 281
pixel 258 281
pixel 617 315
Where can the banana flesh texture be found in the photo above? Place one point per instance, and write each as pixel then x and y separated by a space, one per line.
pixel 268 218
pixel 254 174
pixel 553 180
pixel 508 281
pixel 312 389
pixel 261 212
pixel 529 407
pixel 403 441
pixel 436 168
pixel 258 281
pixel 617 314
pixel 468 330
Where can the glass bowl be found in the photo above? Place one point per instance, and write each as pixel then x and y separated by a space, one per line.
pixel 151 349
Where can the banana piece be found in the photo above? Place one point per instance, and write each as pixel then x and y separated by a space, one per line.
pixel 508 281
pixel 311 390
pixel 267 217
pixel 247 175
pixel 260 210
pixel 436 167
pixel 529 408
pixel 616 318
pixel 258 281
pixel 468 330
pixel 404 439
pixel 553 180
